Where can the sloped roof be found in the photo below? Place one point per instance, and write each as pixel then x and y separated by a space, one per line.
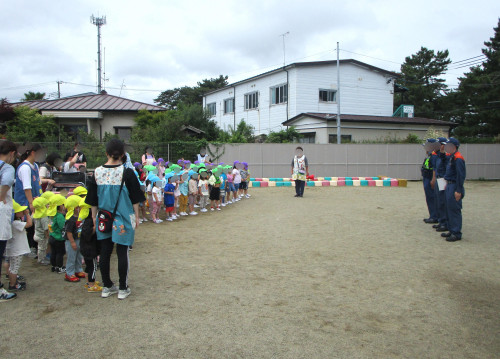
pixel 90 102
pixel 310 64
pixel 373 119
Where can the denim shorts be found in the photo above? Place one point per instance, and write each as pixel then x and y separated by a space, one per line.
pixel 236 186
pixel 230 187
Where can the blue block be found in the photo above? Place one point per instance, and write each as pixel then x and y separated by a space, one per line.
pixel 364 183
pixel 348 182
pixel 255 183
pixel 287 184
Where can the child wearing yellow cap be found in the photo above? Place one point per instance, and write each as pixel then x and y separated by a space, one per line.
pixel 18 246
pixel 41 221
pixel 56 238
pixel 72 231
pixel 89 247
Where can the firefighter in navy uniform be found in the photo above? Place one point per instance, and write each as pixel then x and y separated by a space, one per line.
pixel 455 177
pixel 430 146
pixel 439 172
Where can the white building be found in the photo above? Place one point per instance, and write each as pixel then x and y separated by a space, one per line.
pixel 270 101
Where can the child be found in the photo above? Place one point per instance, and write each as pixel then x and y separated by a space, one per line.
pixel 214 181
pixel 169 197
pixel 18 246
pixel 72 230
pixel 193 191
pixel 245 175
pixel 80 191
pixel 203 190
pixel 236 181
pixel 41 228
pixel 230 186
pixel 184 193
pixel 56 239
pixel 223 179
pixel 148 196
pixel 89 247
pixel 177 193
pixel 156 199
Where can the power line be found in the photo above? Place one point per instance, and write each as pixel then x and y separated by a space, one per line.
pixel 470 58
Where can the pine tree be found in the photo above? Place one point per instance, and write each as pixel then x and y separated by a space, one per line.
pixel 478 95
pixel 420 74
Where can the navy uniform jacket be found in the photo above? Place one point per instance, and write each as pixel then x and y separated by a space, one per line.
pixel 455 172
pixel 441 163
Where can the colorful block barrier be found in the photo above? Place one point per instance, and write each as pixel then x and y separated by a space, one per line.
pixel 255 184
pixel 325 183
pixel 371 183
pixel 363 183
pixel 272 184
pixel 264 184
pixel 348 182
pixel 387 183
pixel 310 184
pixel 340 183
pixel 379 181
pixel 356 183
pixel 394 183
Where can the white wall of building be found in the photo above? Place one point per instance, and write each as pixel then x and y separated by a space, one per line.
pixel 363 92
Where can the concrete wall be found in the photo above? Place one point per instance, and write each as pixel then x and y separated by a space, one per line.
pixel 393 160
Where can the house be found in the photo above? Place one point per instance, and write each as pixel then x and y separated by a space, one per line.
pixel 303 92
pixel 100 113
pixel 322 127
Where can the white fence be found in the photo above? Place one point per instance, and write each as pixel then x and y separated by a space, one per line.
pixel 355 160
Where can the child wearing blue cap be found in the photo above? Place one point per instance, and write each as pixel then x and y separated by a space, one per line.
pixel 169 198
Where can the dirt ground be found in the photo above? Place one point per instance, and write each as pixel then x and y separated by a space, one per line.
pixel 348 272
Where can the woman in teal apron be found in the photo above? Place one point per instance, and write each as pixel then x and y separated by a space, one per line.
pixel 115 186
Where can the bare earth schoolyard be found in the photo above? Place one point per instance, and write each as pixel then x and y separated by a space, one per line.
pixel 341 273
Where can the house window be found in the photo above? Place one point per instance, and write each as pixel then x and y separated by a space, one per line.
pixel 229 105
pixel 279 94
pixel 251 100
pixel 308 137
pixel 75 130
pixel 125 133
pixel 211 108
pixel 343 138
pixel 327 96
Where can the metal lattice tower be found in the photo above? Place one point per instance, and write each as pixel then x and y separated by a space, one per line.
pixel 98 21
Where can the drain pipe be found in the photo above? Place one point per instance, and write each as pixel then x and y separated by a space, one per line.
pixel 287 96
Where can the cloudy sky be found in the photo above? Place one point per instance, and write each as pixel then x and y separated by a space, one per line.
pixel 154 45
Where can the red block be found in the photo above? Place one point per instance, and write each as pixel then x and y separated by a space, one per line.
pixel 325 183
pixel 264 184
pixel 394 182
pixel 341 183
pixel 258 179
pixel 371 183
pixel 355 178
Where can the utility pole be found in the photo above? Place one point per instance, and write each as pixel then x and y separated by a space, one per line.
pixel 59 89
pixel 283 36
pixel 338 97
pixel 98 21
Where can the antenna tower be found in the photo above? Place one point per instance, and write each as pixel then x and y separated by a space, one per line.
pixel 98 21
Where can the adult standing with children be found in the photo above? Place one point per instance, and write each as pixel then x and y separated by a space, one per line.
pixel 114 195
pixel 8 154
pixel 300 171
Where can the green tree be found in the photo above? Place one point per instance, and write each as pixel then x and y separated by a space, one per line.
pixel 288 135
pixel 242 134
pixel 420 74
pixel 477 99
pixel 29 125
pixel 7 114
pixel 187 95
pixel 31 96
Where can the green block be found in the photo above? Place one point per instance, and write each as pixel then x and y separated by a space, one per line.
pixel 310 184
pixel 287 184
pixel 280 184
pixel 255 183
pixel 364 183
pixel 387 183
pixel 328 178
pixel 348 182
pixel 252 179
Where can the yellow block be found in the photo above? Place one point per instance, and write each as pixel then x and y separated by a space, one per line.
pixel 356 183
pixel 333 183
pixel 249 184
pixel 321 178
pixel 265 179
pixel 379 183
pixel 335 179
pixel 403 182
pixel 272 184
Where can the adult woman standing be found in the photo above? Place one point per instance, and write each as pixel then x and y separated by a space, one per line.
pixel 28 186
pixel 115 186
pixel 300 171
pixel 8 153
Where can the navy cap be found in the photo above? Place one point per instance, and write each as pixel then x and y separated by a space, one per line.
pixel 431 140
pixel 454 141
pixel 442 140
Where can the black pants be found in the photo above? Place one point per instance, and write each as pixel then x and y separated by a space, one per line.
pixel 299 187
pixel 91 268
pixel 122 252
pixel 3 244
pixel 30 233
pixel 57 252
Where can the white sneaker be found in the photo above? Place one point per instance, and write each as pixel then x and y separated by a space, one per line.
pixel 218 208
pixel 169 219
pixel 5 296
pixel 196 206
pixel 183 214
pixel 122 294
pixel 203 210
pixel 159 221
pixel 193 213
pixel 223 205
pixel 107 292
pixel 212 209
pixel 247 196
pixel 144 219
pixel 140 221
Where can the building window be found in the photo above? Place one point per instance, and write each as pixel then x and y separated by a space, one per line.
pixel 124 133
pixel 343 138
pixel 211 108
pixel 279 94
pixel 75 130
pixel 308 137
pixel 229 105
pixel 327 96
pixel 251 100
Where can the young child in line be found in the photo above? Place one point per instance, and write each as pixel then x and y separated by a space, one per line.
pixel 193 191
pixel 177 194
pixel 72 231
pixel 18 246
pixel 41 221
pixel 47 195
pixel 156 199
pixel 236 181
pixel 89 247
pixel 184 193
pixel 229 186
pixel 245 175
pixel 203 190
pixel 223 179
pixel 169 197
pixel 214 182
pixel 56 228
pixel 149 197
